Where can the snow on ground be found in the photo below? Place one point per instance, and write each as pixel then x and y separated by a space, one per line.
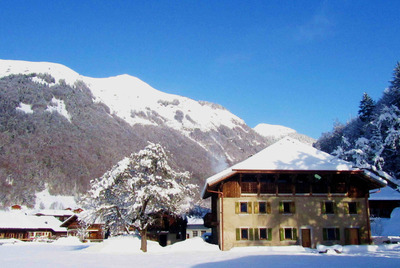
pixel 124 252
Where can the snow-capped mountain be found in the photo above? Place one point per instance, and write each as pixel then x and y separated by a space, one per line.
pixel 276 132
pixel 135 101
pixel 61 128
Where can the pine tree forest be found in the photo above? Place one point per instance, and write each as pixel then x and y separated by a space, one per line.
pixel 372 140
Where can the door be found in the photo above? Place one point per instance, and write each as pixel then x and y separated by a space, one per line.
pixel 352 236
pixel 306 238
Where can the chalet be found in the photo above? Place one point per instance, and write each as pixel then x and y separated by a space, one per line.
pixel 19 225
pixel 290 194
pixel 167 229
pixel 383 201
pixel 93 232
pixel 195 227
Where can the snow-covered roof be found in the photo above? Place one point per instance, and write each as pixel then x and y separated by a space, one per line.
pixel 20 220
pixel 291 154
pixel 287 154
pixel 195 221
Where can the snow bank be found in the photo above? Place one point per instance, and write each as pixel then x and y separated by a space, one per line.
pixel 193 244
pixel 68 241
pixel 127 244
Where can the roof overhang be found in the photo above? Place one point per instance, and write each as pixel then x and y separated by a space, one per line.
pixel 375 181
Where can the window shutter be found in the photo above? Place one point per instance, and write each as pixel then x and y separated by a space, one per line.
pixel 249 207
pixel 358 205
pixel 269 234
pixel 281 234
pixel 237 233
pixel 337 230
pixel 251 234
pixel 281 207
pixel 237 207
pixel 256 207
pixel 323 208
pixel 293 207
pixel 294 233
pixel 346 208
pixel 256 234
pixel 324 234
pixel 268 207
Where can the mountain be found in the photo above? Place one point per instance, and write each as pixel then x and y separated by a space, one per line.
pixel 61 129
pixel 277 132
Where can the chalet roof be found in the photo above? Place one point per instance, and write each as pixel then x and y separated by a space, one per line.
pixel 289 154
pixel 20 220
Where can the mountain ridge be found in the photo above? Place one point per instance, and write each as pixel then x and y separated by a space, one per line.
pixel 63 129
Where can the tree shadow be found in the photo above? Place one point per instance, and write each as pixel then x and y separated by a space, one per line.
pixel 304 261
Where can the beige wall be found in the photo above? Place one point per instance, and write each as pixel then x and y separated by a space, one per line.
pixel 307 215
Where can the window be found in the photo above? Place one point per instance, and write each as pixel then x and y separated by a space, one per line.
pixel 287 207
pixel 263 234
pixel 203 232
pixel 353 208
pixel 243 207
pixel 195 233
pixel 262 207
pixel 244 234
pixel 328 207
pixel 331 233
pixel 288 233
pixel 254 234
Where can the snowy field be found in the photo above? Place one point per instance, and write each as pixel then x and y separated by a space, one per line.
pixel 124 252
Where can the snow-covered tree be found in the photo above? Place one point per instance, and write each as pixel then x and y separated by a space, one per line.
pixel 373 139
pixel 391 95
pixel 136 191
pixel 367 106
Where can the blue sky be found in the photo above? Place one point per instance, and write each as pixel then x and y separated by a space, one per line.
pixel 301 64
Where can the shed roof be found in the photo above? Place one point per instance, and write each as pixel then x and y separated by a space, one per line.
pixel 289 154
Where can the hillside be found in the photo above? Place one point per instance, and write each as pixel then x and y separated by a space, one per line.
pixel 63 129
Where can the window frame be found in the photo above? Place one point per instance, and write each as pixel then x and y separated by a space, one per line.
pixel 292 231
pixel 328 207
pixel 290 204
pixel 327 232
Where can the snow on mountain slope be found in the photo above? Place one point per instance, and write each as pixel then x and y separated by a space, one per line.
pixel 135 101
pixel 275 131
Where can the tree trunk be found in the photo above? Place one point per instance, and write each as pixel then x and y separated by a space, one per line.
pixel 143 242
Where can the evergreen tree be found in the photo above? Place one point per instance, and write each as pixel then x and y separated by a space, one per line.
pixel 392 93
pixel 367 106
pixel 373 140
pixel 137 191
